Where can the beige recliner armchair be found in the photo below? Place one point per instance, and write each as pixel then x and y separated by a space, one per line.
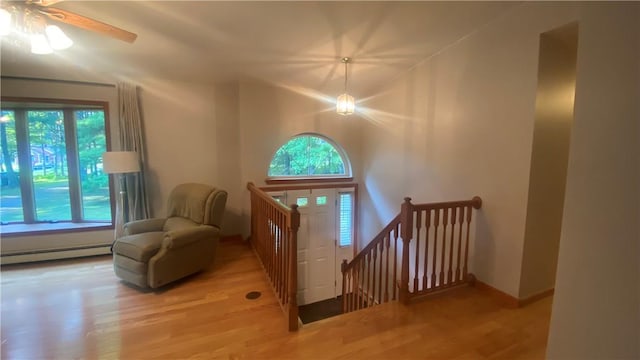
pixel 155 252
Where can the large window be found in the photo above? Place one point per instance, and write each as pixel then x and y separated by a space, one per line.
pixel 51 162
pixel 309 156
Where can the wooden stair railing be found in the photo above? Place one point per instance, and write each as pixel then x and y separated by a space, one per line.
pixel 434 255
pixel 440 232
pixel 363 283
pixel 274 237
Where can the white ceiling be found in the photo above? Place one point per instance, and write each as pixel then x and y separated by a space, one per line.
pixel 293 43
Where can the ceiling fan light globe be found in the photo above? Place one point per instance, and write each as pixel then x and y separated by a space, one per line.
pixel 345 105
pixel 40 45
pixel 5 22
pixel 58 40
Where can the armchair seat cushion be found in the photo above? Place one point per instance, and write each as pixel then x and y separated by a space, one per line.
pixel 140 247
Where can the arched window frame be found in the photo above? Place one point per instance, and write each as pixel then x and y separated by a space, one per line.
pixel 347 176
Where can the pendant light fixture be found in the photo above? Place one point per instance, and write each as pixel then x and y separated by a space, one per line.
pixel 345 104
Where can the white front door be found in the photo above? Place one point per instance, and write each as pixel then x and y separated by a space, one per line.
pixel 325 238
pixel 316 244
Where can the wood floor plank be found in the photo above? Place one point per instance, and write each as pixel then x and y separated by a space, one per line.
pixel 80 309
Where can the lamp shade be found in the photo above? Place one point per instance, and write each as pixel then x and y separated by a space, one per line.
pixel 345 105
pixel 119 162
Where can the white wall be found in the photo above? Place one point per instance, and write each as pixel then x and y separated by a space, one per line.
pixel 550 153
pixel 596 310
pixel 461 124
pixel 192 135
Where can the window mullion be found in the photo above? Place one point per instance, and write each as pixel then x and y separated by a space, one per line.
pixel 71 141
pixel 24 161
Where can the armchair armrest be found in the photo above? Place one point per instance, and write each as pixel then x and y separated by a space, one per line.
pixel 179 238
pixel 141 226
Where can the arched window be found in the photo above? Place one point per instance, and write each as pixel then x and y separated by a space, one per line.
pixel 308 156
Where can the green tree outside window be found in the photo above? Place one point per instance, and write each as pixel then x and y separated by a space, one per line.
pixel 307 156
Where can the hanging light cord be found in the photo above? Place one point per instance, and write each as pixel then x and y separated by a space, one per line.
pixel 345 61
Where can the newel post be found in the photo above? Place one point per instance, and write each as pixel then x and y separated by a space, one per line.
pixel 406 220
pixel 294 224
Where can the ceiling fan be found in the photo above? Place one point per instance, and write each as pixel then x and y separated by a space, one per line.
pixel 34 13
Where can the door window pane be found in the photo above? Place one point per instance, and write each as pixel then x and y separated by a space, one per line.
pixel 48 165
pixel 302 201
pixel 11 197
pixel 321 200
pixel 94 182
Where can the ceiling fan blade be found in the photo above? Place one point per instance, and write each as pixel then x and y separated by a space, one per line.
pixel 88 24
pixel 44 2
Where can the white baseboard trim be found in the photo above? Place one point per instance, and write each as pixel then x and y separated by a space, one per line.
pixel 53 255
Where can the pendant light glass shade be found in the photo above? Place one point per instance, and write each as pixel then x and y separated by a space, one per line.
pixel 57 38
pixel 27 27
pixel 345 104
pixel 40 45
pixel 5 22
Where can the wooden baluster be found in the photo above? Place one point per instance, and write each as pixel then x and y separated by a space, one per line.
pixel 386 272
pixel 272 239
pixel 453 231
pixel 395 261
pixel 259 237
pixel 293 268
pixel 356 281
pixel 352 280
pixel 272 257
pixel 465 272
pixel 343 267
pixel 285 253
pixel 445 223
pixel 427 221
pixel 349 294
pixel 362 282
pixel 380 280
pixel 365 288
pixel 368 278
pixel 434 274
pixel 285 256
pixel 416 271
pixel 281 248
pixel 406 217
pixel 260 234
pixel 373 276
pixel 263 234
pixel 460 222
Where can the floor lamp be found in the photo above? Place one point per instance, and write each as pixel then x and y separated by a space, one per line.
pixel 121 163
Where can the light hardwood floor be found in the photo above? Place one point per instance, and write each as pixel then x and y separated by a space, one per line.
pixel 79 309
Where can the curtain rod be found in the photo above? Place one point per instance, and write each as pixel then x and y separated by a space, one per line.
pixel 7 77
